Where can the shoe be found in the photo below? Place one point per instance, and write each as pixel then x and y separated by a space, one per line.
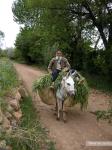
pixel 52 86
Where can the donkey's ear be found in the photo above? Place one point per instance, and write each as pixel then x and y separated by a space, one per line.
pixel 74 73
pixel 68 74
pixel 64 78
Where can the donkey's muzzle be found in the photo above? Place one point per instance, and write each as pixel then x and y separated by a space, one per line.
pixel 72 93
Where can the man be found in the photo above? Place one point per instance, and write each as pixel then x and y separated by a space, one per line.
pixel 57 64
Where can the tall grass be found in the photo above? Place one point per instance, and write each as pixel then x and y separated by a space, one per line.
pixel 29 135
pixel 8 76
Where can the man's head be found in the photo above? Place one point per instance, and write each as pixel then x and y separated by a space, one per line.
pixel 59 53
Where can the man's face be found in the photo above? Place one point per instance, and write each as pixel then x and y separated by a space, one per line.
pixel 59 53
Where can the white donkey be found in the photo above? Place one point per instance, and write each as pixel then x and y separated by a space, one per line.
pixel 67 88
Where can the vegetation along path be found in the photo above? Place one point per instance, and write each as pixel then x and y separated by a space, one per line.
pixel 80 127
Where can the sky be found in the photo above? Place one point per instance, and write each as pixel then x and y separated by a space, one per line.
pixel 7 24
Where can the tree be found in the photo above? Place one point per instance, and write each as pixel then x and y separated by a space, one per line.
pixel 72 25
pixel 30 44
pixel 1 37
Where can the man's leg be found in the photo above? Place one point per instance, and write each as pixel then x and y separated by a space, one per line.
pixel 55 74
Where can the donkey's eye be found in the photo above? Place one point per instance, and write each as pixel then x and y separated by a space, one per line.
pixel 68 84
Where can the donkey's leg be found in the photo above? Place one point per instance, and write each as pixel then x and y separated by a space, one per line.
pixel 56 105
pixel 58 109
pixel 63 112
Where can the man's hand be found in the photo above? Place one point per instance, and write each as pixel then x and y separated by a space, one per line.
pixel 65 69
pixel 50 72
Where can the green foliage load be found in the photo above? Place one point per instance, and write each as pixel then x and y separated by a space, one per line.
pixel 8 76
pixel 81 96
pixel 44 82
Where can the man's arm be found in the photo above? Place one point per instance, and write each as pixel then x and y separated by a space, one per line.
pixel 67 65
pixel 50 65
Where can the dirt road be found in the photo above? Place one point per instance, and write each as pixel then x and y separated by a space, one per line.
pixel 81 126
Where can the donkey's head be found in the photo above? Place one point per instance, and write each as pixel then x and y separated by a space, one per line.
pixel 68 83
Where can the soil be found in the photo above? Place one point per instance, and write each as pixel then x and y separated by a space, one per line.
pixel 81 127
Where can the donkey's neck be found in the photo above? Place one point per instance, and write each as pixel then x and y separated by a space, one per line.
pixel 61 93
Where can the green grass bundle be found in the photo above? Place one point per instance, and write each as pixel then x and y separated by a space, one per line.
pixel 82 93
pixel 46 81
pixel 42 83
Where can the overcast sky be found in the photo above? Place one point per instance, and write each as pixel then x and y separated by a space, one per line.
pixel 7 25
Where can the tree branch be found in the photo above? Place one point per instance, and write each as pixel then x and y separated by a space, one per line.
pixel 97 42
pixel 97 24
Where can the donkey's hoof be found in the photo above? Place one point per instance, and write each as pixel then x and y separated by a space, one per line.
pixel 58 119
pixel 54 109
pixel 64 120
pixel 55 113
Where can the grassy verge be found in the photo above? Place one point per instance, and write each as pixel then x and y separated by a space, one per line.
pixel 8 76
pixel 30 135
pixel 99 83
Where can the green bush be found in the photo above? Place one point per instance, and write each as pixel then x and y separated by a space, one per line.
pixel 104 115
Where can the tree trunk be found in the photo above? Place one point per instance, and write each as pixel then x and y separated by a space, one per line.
pixel 97 24
pixel 110 36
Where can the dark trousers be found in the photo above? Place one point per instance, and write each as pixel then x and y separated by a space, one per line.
pixel 55 74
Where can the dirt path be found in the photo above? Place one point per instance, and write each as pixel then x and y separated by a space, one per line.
pixel 81 126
